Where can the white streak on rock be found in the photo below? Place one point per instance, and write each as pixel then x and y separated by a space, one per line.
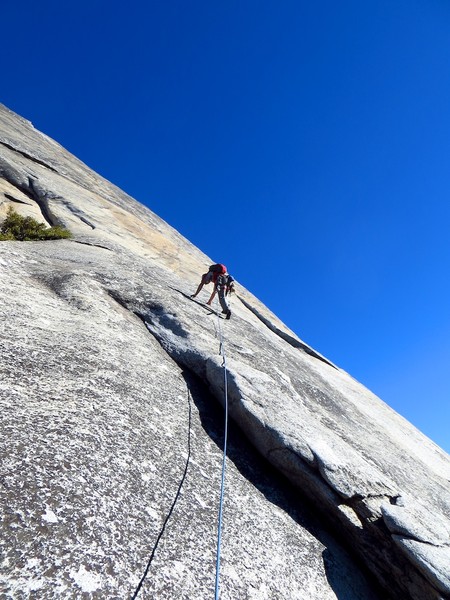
pixel 50 516
pixel 86 580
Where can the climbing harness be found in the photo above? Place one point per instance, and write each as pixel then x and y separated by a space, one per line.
pixel 222 485
pixel 169 514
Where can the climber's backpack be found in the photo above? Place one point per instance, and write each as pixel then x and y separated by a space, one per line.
pixel 220 269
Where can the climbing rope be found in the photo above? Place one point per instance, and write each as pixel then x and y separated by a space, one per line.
pixel 222 485
pixel 169 514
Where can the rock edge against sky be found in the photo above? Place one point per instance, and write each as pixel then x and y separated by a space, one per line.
pixel 112 380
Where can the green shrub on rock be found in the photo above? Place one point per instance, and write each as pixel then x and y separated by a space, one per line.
pixel 16 227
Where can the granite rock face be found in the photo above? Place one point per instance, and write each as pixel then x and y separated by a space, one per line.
pixel 112 426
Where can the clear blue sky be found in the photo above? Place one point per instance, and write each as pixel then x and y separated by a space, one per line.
pixel 304 144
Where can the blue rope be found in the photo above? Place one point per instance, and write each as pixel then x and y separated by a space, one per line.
pixel 222 485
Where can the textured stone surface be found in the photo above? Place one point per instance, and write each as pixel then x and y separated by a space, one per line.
pixel 95 423
pixel 111 382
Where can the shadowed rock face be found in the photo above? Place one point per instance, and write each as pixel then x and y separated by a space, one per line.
pixel 111 392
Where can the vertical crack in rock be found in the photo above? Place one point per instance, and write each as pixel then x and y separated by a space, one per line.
pixel 75 211
pixel 31 188
pixel 369 534
pixel 285 336
pixel 423 538
pixel 15 178
pixel 28 186
pixel 210 373
pixel 407 518
pixel 41 199
pixel 16 200
pixel 366 529
pixel 28 156
pixel 92 244
pixel 432 561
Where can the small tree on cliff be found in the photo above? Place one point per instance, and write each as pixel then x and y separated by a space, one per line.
pixel 16 227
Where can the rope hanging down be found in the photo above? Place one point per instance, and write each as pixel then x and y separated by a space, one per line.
pixel 177 495
pixel 222 485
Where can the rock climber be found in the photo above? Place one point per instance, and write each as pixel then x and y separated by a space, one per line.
pixel 223 286
pixel 211 276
